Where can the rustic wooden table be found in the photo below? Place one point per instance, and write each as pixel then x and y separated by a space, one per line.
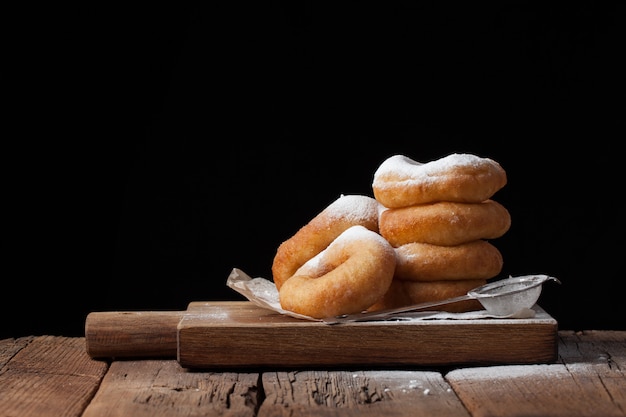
pixel 54 376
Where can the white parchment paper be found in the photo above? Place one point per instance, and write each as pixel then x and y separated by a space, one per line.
pixel 263 293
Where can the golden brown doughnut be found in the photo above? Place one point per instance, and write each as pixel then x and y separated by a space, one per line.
pixel 402 293
pixel 421 292
pixel 315 236
pixel 354 271
pixel 400 181
pixel 477 259
pixel 444 223
pixel 395 297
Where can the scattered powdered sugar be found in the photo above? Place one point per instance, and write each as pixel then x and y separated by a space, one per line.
pixel 493 373
pixel 413 384
pixel 217 314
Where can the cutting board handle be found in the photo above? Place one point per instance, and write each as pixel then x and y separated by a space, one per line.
pixel 123 334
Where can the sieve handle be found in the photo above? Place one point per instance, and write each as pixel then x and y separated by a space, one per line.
pixel 384 314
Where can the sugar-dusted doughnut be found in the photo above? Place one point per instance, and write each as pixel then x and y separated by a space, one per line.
pixel 403 293
pixel 315 236
pixel 477 259
pixel 347 277
pixel 400 181
pixel 444 223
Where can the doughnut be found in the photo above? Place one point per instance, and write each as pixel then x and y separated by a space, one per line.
pixel 395 297
pixel 402 293
pixel 421 292
pixel 477 259
pixel 347 277
pixel 400 181
pixel 444 223
pixel 315 236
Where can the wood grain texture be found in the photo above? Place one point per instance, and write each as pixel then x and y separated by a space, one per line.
pixel 234 335
pixel 48 376
pixel 9 347
pixel 590 379
pixel 54 376
pixel 124 334
pixel 359 393
pixel 153 388
pixel 136 334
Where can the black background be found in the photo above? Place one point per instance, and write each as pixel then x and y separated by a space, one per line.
pixel 157 148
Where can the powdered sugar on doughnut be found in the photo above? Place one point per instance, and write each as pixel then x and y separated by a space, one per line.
pixel 353 207
pixel 401 181
pixel 354 233
pixel 406 169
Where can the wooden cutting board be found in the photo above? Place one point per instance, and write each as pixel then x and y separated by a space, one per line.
pixel 239 334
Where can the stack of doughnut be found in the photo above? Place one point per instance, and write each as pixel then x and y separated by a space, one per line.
pixel 423 237
pixel 439 217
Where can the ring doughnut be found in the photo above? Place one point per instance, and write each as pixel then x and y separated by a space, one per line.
pixel 396 296
pixel 477 259
pixel 402 293
pixel 350 275
pixel 444 223
pixel 400 181
pixel 315 236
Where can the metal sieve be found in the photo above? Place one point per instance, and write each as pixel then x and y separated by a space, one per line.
pixel 500 298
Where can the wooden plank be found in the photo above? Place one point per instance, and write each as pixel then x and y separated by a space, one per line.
pixel 598 348
pixel 49 376
pixel 9 347
pixel 240 334
pixel 153 388
pixel 358 393
pixel 589 380
pixel 598 359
